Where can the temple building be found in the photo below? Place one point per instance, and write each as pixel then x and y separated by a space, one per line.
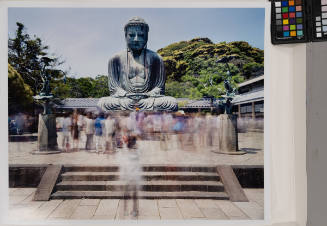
pixel 250 101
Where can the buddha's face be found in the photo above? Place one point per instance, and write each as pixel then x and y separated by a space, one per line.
pixel 136 37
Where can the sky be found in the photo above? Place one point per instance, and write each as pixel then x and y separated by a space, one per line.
pixel 86 38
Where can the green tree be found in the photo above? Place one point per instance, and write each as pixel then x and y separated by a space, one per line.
pixel 100 87
pixel 19 93
pixel 81 87
pixel 25 53
pixel 192 69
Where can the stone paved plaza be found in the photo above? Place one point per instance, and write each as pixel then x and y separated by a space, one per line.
pixel 22 207
pixel 150 153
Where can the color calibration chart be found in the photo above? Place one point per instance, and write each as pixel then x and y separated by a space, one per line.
pixel 288 21
pixel 294 21
pixel 319 19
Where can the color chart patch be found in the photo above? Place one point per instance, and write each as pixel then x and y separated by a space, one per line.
pixel 319 20
pixel 289 19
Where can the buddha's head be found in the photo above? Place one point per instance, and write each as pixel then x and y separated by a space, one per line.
pixel 136 34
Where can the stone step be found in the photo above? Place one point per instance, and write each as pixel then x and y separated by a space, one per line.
pixel 141 195
pixel 147 176
pixel 163 186
pixel 146 168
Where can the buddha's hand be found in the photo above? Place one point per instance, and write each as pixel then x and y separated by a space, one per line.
pixel 137 96
pixel 154 93
pixel 120 93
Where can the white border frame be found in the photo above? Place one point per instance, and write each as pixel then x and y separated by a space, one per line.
pixel 140 4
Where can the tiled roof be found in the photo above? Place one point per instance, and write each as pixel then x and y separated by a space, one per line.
pixel 249 97
pixel 256 79
pixel 202 103
pixel 79 103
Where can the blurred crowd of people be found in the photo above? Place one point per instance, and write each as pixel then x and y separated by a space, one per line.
pixel 20 123
pixel 107 132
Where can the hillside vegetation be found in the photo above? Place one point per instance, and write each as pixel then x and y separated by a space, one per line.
pixel 193 72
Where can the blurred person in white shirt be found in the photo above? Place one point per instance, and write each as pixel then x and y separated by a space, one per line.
pixel 89 131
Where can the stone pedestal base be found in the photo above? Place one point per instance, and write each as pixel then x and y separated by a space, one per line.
pixel 47 135
pixel 227 135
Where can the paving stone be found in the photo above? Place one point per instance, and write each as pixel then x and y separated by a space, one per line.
pixel 83 212
pixel 214 213
pixel 124 215
pixel 65 209
pixel 46 209
pixel 89 202
pixel 167 203
pixel 107 207
pixel 29 199
pixel 148 207
pixel 21 195
pixel 170 213
pixel 16 199
pixel 231 210
pixel 189 209
pixel 255 195
pixel 23 191
pixel 23 211
pixel 252 209
pixel 12 190
pixel 205 203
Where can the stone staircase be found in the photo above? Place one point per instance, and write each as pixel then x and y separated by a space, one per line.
pixel 158 182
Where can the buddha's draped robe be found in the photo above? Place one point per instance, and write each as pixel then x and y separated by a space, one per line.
pixel 122 72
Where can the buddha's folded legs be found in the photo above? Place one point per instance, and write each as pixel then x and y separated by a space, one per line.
pixel 148 104
pixel 116 104
pixel 165 103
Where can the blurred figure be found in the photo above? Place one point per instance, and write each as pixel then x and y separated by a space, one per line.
pixel 20 122
pixel 130 167
pixel 89 131
pixel 191 130
pixel 157 125
pixel 210 123
pixel 66 128
pixel 201 130
pixel 110 127
pixel 118 132
pixel 99 126
pixel 178 128
pixel 148 125
pixel 75 130
pixel 140 123
pixel 168 122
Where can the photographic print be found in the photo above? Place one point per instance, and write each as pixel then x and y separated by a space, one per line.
pixel 136 113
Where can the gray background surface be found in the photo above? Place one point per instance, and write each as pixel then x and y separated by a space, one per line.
pixel 316 133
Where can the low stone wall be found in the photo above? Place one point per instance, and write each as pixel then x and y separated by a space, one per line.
pixel 25 175
pixel 30 175
pixel 250 176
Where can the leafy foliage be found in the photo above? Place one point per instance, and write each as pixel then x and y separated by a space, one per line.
pixel 24 55
pixel 19 93
pixel 81 87
pixel 193 72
